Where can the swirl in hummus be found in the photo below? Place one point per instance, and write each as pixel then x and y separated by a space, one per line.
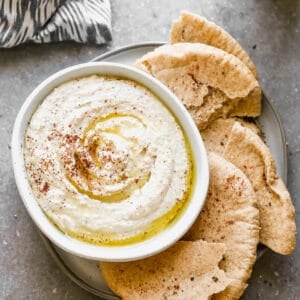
pixel 107 161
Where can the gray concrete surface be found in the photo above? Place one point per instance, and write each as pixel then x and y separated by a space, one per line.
pixel 269 31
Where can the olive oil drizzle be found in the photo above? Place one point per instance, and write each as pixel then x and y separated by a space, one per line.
pixel 88 177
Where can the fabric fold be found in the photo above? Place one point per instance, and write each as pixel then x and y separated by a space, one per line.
pixel 46 21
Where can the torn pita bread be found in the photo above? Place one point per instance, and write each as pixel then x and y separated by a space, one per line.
pixel 210 82
pixel 195 29
pixel 187 270
pixel 230 216
pixel 247 151
pixel 215 136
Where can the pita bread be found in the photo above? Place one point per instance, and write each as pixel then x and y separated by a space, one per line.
pixel 247 151
pixel 195 29
pixel 215 136
pixel 229 216
pixel 187 270
pixel 210 82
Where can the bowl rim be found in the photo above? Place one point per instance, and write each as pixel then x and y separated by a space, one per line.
pixel 161 240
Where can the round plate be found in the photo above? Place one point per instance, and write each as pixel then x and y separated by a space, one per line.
pixel 86 272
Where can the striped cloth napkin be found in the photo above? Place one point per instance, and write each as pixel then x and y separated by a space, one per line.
pixel 45 21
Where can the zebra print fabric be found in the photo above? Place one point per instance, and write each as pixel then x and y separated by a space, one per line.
pixel 44 21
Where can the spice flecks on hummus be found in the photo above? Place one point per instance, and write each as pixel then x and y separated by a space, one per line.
pixel 107 161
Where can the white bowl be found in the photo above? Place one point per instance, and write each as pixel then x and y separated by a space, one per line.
pixel 148 247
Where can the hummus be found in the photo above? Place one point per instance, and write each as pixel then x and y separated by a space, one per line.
pixel 107 161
